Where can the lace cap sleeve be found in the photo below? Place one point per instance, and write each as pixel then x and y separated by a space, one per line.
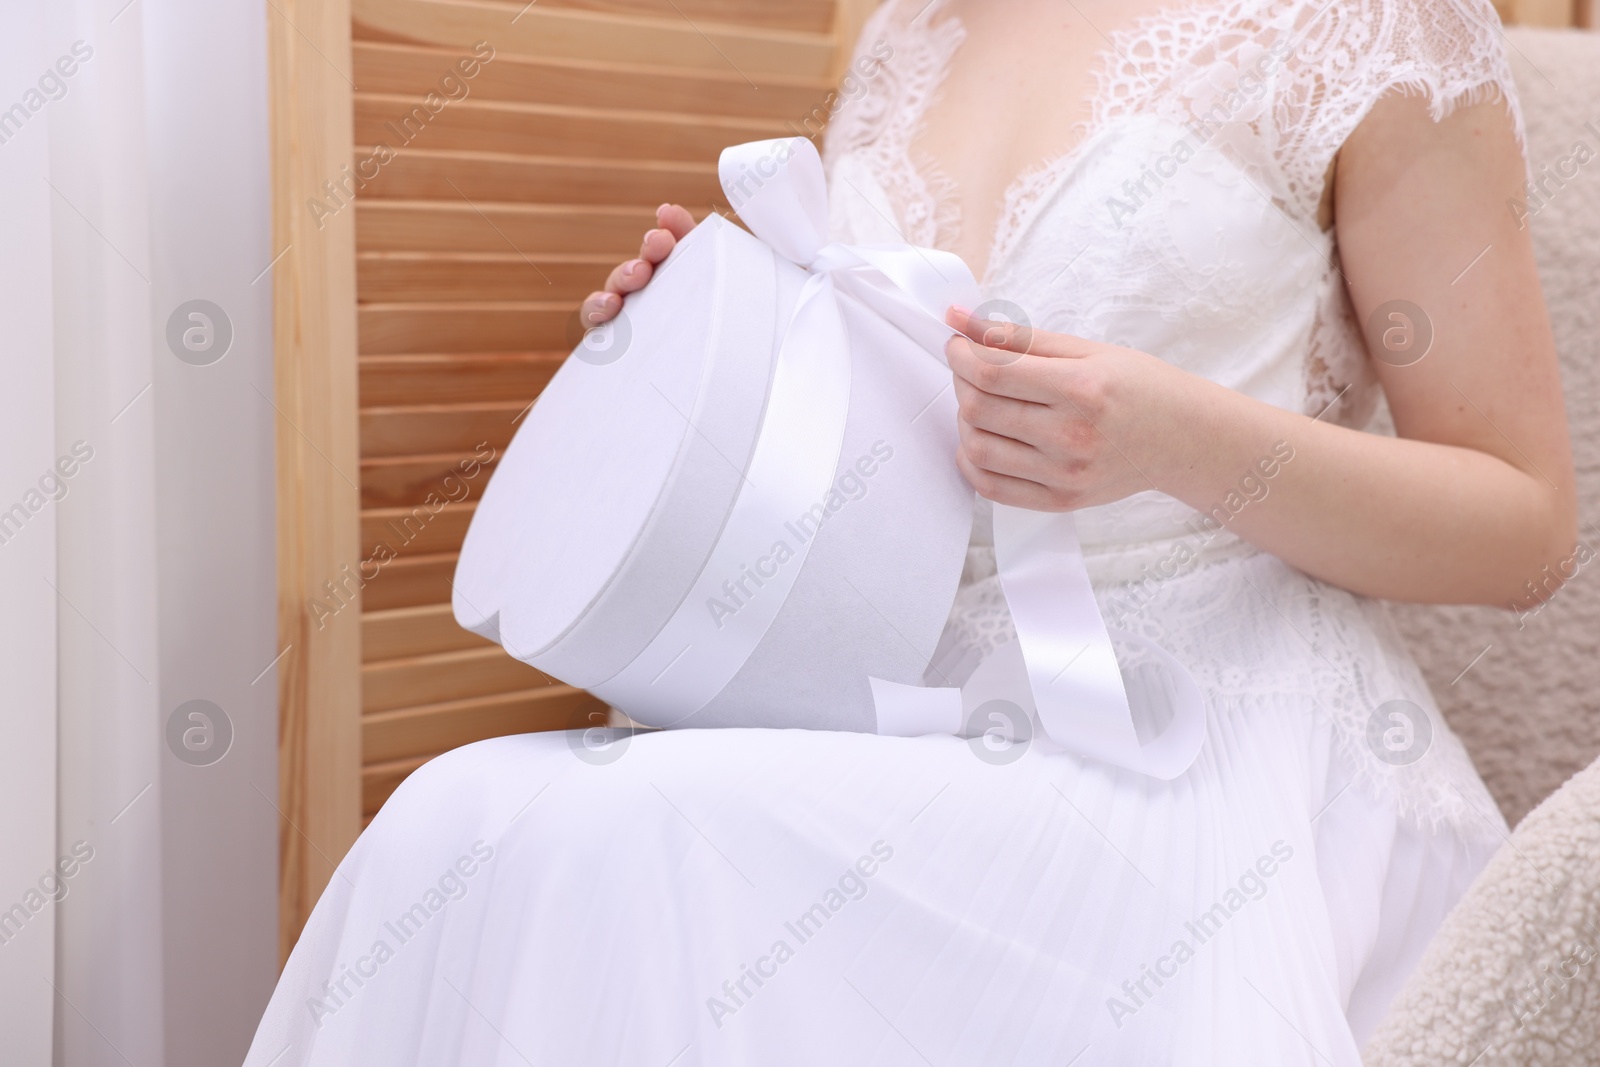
pixel 1346 56
pixel 1453 53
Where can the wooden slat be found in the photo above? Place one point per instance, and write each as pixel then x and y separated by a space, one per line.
pixel 415 530
pixel 406 431
pixel 409 732
pixel 482 177
pixel 390 684
pixel 389 329
pixel 521 229
pixel 538 31
pixel 379 780
pixel 411 581
pixel 812 15
pixel 405 481
pixel 462 723
pixel 463 378
pixel 542 129
pixel 409 632
pixel 442 276
pixel 414 71
pixel 313 282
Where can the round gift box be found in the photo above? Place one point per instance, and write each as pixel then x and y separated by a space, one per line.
pixel 611 499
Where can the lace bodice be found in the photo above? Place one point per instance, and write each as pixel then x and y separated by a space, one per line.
pixel 1246 103
pixel 1183 222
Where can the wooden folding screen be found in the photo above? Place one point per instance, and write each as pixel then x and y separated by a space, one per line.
pixel 314 326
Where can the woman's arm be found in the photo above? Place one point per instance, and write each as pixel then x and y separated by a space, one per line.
pixel 1471 501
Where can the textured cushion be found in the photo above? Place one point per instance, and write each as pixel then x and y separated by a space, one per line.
pixel 1513 969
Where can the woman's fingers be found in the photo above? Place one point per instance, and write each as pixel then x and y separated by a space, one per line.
pixel 1022 420
pixel 1001 373
pixel 1018 338
pixel 998 454
pixel 673 223
pixel 993 357
pixel 657 245
pixel 629 276
pixel 1004 489
pixel 992 333
pixel 675 219
pixel 598 308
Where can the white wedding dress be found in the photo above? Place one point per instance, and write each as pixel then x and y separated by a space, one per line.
pixel 773 898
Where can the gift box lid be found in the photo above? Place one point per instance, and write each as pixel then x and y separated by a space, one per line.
pixel 612 494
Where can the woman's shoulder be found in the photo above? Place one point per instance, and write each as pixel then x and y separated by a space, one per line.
pixel 1449 53
pixel 1342 56
pixel 1311 68
pixel 1327 64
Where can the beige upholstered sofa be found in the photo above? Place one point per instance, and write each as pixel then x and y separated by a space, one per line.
pixel 1514 975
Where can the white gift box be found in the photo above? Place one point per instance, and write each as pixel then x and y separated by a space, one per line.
pixel 737 503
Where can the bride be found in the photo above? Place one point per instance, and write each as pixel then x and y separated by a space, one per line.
pixel 1228 230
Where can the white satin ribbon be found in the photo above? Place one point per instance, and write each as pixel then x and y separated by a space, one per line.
pixel 1073 682
pixel 1072 670
pixel 697 653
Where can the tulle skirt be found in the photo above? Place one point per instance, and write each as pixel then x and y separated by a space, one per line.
pixel 789 897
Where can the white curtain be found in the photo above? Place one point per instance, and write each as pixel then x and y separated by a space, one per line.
pixel 27 604
pixel 137 565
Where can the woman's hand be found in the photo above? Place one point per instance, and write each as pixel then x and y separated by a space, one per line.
pixel 673 224
pixel 1052 422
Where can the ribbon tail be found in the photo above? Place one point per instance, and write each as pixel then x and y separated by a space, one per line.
pixel 914 710
pixel 1171 753
pixel 1073 675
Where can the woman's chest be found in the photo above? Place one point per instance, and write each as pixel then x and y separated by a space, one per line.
pixel 1018 92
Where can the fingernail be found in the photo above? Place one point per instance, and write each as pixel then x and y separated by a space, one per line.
pixel 629 267
pixel 662 208
pixel 964 312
